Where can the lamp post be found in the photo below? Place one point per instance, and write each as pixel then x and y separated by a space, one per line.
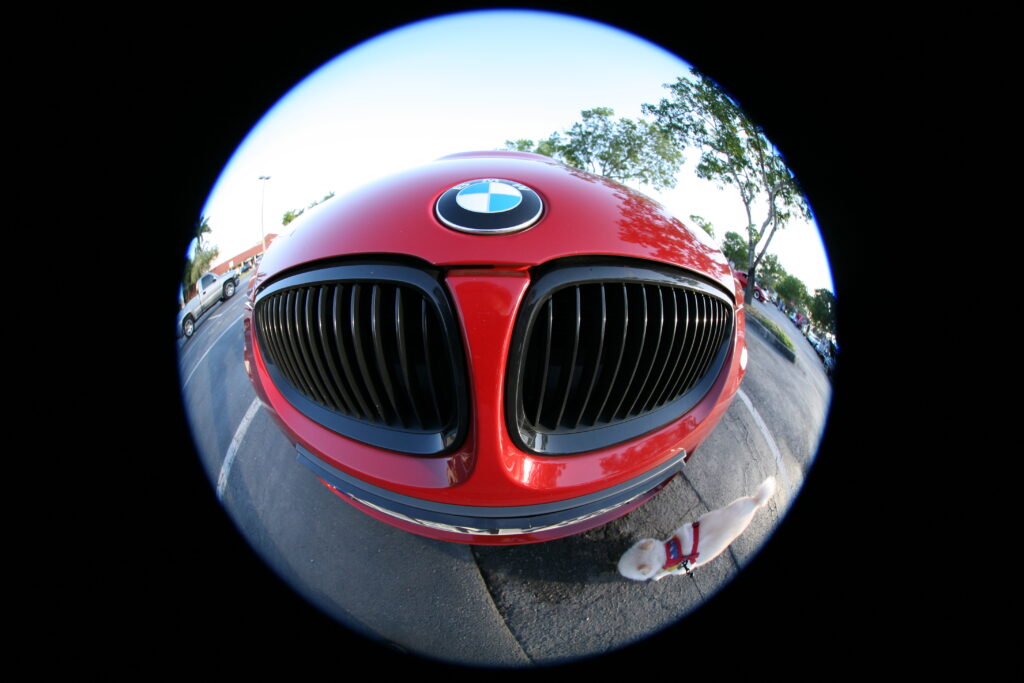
pixel 263 237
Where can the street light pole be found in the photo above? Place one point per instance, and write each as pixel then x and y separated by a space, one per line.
pixel 263 237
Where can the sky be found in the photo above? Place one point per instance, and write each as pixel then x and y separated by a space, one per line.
pixel 458 83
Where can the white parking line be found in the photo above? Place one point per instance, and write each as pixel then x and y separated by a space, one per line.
pixel 767 435
pixel 229 458
pixel 200 361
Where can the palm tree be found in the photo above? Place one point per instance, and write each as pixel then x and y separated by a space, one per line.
pixel 202 228
pixel 201 257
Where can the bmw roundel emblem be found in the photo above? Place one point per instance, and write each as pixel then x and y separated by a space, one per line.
pixel 489 206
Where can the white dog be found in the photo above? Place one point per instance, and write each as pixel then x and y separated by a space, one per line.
pixel 693 545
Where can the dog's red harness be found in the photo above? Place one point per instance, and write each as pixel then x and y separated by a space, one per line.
pixel 674 553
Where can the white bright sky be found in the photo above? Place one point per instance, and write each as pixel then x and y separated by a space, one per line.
pixel 458 83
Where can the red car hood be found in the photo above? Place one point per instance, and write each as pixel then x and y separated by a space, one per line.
pixel 583 214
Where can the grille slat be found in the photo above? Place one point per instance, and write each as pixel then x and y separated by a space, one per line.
pixel 642 331
pixel 403 358
pixel 624 326
pixel 377 335
pixel 599 357
pixel 342 335
pixel 657 389
pixel 571 367
pixel 703 357
pixel 425 328
pixel 693 309
pixel 682 327
pixel 370 351
pixel 605 360
pixel 275 317
pixel 331 352
pixel 284 341
pixel 657 345
pixel 312 331
pixel 299 351
pixel 357 327
pixel 547 358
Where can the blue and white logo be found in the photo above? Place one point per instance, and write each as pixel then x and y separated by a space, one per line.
pixel 490 196
pixel 489 206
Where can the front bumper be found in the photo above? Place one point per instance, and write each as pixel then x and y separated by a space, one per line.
pixel 489 491
pixel 478 524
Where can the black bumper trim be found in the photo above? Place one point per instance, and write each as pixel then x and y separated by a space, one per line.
pixel 491 520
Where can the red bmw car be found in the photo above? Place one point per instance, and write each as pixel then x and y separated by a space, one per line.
pixel 495 348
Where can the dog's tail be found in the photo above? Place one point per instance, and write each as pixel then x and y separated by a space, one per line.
pixel 764 492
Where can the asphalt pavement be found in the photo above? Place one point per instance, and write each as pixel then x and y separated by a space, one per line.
pixel 492 605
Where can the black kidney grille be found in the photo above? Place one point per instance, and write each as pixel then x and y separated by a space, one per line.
pixel 370 351
pixel 603 353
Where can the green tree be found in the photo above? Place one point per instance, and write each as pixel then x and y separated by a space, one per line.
pixel 201 262
pixel 733 152
pixel 292 214
pixel 735 248
pixel 793 290
pixel 202 228
pixel 771 272
pixel 520 145
pixel 823 310
pixel 548 146
pixel 620 149
pixel 703 224
pixel 202 256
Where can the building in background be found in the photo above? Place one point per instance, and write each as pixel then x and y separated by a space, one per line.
pixel 246 257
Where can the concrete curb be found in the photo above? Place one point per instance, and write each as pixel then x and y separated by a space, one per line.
pixel 767 334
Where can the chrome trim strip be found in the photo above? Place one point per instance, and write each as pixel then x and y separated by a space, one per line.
pixel 495 531
pixel 491 520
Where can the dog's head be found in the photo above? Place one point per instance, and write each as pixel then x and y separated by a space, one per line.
pixel 643 560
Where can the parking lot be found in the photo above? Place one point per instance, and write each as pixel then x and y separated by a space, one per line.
pixel 491 605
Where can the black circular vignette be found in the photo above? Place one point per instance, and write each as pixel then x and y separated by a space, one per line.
pixel 195 104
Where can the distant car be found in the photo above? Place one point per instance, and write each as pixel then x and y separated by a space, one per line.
pixel 828 356
pixel 211 289
pixel 759 292
pixel 822 347
pixel 475 368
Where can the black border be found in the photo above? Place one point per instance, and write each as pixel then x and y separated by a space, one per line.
pixel 843 100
